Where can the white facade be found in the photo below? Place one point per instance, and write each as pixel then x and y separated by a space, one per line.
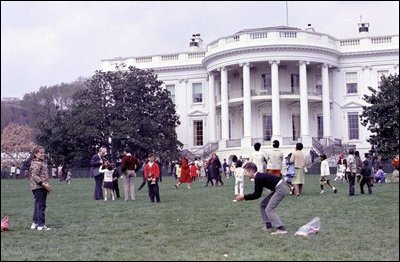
pixel 280 83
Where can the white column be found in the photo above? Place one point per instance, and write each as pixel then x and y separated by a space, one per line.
pixel 246 141
pixel 224 105
pixel 276 114
pixel 326 111
pixel 305 133
pixel 211 109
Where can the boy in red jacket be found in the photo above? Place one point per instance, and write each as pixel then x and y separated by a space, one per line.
pixel 151 175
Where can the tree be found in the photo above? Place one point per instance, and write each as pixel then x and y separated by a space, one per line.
pixel 382 116
pixel 44 104
pixel 126 108
pixel 16 144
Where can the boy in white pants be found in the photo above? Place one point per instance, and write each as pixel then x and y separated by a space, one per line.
pixel 239 179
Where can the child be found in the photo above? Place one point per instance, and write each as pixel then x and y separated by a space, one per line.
pixel 380 175
pixel 69 176
pixel 238 172
pixel 108 170
pixel 151 174
pixel 341 168
pixel 193 171
pixel 290 172
pixel 366 177
pixel 324 174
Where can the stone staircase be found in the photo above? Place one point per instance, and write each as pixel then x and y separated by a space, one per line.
pixel 202 152
pixel 331 148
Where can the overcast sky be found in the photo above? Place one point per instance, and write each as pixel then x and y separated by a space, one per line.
pixel 47 43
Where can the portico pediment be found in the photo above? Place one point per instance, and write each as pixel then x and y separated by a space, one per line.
pixel 197 113
pixel 352 105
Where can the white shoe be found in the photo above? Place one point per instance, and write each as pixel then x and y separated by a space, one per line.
pixel 321 192
pixel 33 226
pixel 43 228
pixel 234 200
pixel 279 232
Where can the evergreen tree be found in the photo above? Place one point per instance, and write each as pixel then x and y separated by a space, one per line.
pixel 382 116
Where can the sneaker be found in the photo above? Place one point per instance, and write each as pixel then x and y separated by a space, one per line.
pixel 279 232
pixel 335 190
pixel 234 200
pixel 33 226
pixel 176 186
pixel 321 192
pixel 44 228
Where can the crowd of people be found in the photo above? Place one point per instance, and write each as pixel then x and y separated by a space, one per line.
pixel 281 175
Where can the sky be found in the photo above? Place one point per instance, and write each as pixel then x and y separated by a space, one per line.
pixel 54 42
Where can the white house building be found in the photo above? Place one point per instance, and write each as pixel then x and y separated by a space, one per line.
pixel 262 84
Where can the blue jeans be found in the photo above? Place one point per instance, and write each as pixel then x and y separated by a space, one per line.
pixel 40 206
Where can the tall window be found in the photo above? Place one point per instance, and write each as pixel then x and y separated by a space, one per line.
pixel 198 133
pixel 197 93
pixel 353 125
pixel 296 127
pixel 266 83
pixel 351 83
pixel 320 126
pixel 267 127
pixel 380 74
pixel 294 83
pixel 171 89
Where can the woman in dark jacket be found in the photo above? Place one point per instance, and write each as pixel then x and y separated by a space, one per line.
pixel 214 166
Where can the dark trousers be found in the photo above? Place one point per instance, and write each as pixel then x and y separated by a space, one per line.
pixel 352 179
pixel 209 179
pixel 219 179
pixel 98 190
pixel 40 206
pixel 154 193
pixel 368 181
pixel 116 188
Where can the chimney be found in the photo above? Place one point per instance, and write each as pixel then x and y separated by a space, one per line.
pixel 196 43
pixel 310 28
pixel 363 29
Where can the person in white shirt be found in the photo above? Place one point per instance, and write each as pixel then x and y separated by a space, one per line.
pixel 108 170
pixel 324 174
pixel 12 170
pixel 258 158
pixel 274 160
pixel 239 178
pixel 351 171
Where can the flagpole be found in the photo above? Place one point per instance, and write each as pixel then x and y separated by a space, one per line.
pixel 287 17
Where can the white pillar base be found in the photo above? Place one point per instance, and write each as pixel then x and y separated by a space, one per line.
pixel 222 144
pixel 306 141
pixel 246 142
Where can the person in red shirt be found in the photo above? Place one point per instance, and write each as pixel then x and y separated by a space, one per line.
pixel 151 175
pixel 185 174
pixel 395 162
pixel 193 171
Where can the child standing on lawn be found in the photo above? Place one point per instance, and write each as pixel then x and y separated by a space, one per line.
pixel 239 179
pixel 108 185
pixel 324 174
pixel 151 174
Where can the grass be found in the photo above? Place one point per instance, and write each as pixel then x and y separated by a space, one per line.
pixel 200 224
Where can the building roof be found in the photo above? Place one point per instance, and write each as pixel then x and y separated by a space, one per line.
pixel 272 28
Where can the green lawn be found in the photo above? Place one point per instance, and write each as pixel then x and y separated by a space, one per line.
pixel 200 224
